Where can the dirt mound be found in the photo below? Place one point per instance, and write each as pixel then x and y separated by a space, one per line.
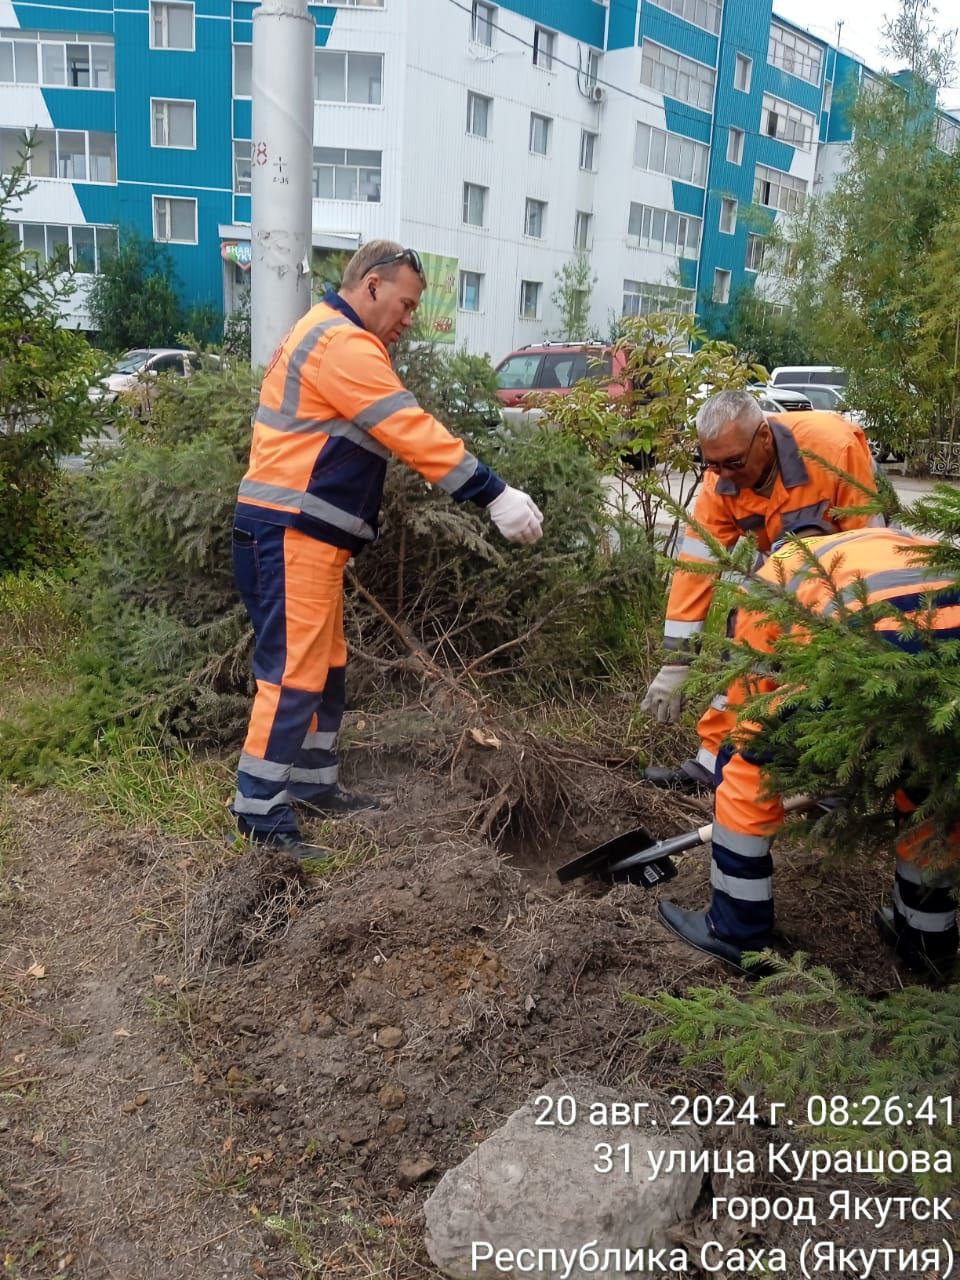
pixel 415 1002
pixel 213 1066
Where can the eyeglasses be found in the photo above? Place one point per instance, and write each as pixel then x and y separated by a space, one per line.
pixel 737 463
pixel 409 256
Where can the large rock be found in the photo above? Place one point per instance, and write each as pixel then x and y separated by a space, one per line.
pixel 531 1186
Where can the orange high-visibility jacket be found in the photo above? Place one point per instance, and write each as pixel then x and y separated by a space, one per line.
pixel 331 413
pixel 886 564
pixel 804 493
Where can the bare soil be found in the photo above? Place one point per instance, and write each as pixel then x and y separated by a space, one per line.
pixel 213 1065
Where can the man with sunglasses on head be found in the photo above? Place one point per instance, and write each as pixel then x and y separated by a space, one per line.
pixel 332 412
pixel 758 482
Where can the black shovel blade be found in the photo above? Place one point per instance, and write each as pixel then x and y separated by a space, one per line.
pixel 646 874
pixel 599 860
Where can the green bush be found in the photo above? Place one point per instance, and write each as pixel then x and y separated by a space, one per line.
pixel 45 371
pixel 167 641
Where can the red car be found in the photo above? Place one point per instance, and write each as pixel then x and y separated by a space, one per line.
pixel 556 367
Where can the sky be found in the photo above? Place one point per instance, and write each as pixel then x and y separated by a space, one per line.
pixel 860 33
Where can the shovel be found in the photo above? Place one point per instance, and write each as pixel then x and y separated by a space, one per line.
pixel 636 858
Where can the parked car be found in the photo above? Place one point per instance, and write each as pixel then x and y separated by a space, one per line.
pixel 825 397
pixel 821 375
pixel 819 395
pixel 134 369
pixel 554 367
pixel 781 400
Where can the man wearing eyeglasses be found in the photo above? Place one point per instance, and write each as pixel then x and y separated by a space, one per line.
pixel 762 480
pixel 332 412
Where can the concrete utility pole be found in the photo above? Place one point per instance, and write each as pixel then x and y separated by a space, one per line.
pixel 282 167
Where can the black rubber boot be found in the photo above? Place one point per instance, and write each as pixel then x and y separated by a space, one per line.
pixel 336 803
pixel 290 844
pixel 689 776
pixel 932 954
pixel 693 928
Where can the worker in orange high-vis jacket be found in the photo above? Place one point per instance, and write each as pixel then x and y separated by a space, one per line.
pixel 921 925
pixel 332 412
pixel 758 482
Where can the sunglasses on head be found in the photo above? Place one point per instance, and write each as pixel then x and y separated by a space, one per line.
pixel 734 464
pixel 409 256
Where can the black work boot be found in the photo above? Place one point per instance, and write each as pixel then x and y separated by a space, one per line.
pixel 693 928
pixel 932 954
pixel 288 843
pixel 688 776
pixel 337 802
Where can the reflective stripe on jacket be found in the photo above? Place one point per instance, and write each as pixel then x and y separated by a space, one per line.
pixel 866 564
pixel 331 413
pixel 804 493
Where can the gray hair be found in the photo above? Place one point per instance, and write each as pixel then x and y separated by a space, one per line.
pixel 366 256
pixel 725 407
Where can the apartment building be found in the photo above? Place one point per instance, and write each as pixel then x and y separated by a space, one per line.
pixel 661 139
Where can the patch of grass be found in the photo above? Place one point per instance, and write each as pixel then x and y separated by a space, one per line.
pixel 361 847
pixel 342 1240
pixel 37 630
pixel 134 781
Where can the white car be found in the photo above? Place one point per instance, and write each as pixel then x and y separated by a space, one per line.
pixel 780 400
pixel 146 362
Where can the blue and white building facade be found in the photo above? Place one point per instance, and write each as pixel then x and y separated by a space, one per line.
pixel 661 138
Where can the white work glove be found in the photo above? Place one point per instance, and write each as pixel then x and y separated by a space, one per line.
pixel 664 699
pixel 517 516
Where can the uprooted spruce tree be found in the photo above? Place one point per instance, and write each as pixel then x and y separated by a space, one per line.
pixel 442 616
pixel 852 717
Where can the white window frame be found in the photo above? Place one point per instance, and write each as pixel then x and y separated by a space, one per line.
pixel 664 230
pixel 46 177
pixel 544 47
pixel 791 124
pixel 71 228
pixel 174 4
pixel 538 209
pixel 650 298
pixel 583 230
pixel 368 166
pixel 239 159
pixel 593 68
pixel 788 193
pixel 37 41
pixel 677 76
pixel 537 118
pixel 483 18
pixel 794 54
pixel 728 215
pixel 484 192
pixel 588 142
pixel 742 71
pixel 172 102
pixel 233 70
pixel 537 285
pixel 472 100
pixel 947 137
pixel 676 149
pixel 477 276
pixel 346 54
pixel 699 13
pixel 178 200
pixel 735 140
pixel 722 278
pixel 756 248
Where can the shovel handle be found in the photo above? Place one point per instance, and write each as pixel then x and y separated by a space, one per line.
pixel 705 834
pixel 691 839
